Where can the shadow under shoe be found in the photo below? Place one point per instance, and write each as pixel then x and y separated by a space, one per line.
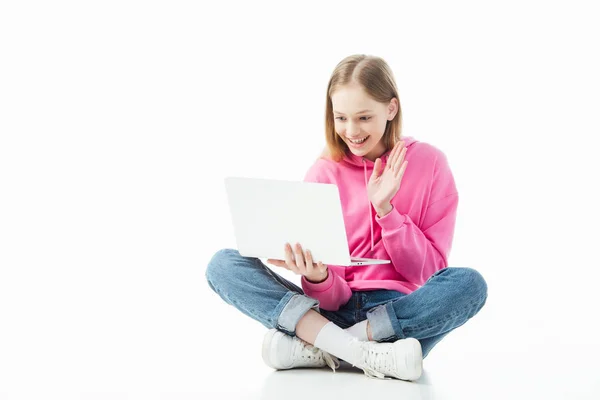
pixel 282 351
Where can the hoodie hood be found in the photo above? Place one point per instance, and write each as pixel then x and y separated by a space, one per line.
pixel 355 161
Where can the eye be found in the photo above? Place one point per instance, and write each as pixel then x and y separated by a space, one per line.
pixel 366 118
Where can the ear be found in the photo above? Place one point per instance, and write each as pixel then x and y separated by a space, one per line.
pixel 392 109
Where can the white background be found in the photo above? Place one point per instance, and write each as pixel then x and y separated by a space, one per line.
pixel 120 119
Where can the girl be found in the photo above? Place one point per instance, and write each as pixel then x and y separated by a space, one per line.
pixel 384 318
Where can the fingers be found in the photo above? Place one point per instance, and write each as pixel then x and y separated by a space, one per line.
pixel 322 268
pixel 309 263
pixel 400 172
pixel 395 154
pixel 289 259
pixel 299 259
pixel 375 174
pixel 299 262
pixel 282 264
pixel 314 270
pixel 392 156
pixel 294 259
pixel 399 160
pixel 278 263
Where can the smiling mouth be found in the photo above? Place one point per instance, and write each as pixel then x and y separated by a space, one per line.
pixel 358 142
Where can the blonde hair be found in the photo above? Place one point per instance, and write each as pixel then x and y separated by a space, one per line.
pixel 376 78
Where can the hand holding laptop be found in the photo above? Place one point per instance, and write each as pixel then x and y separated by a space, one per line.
pixel 301 263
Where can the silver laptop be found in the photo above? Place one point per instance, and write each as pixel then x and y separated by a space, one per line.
pixel 267 213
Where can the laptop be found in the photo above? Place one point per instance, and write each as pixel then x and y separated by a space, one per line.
pixel 267 213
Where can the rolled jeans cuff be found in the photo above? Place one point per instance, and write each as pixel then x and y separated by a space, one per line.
pixel 291 309
pixel 384 323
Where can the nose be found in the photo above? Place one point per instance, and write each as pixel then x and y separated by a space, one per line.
pixel 352 129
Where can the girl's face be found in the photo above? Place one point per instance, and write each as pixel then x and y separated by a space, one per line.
pixel 357 116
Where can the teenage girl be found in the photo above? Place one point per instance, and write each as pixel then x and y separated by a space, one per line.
pixel 399 202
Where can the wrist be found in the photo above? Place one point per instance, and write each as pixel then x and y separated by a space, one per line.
pixel 383 210
pixel 317 279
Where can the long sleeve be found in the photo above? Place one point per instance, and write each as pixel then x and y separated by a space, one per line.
pixel 419 252
pixel 334 291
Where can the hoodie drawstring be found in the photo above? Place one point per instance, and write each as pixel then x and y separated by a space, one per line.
pixel 369 204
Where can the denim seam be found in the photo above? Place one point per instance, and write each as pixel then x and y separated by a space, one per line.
pixel 283 304
pixel 384 311
pixel 279 309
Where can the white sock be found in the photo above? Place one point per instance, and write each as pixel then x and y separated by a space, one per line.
pixel 335 340
pixel 359 330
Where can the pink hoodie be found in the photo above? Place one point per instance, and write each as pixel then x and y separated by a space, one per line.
pixel 416 235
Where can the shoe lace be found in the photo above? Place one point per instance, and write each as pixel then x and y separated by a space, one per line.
pixel 332 361
pixel 373 361
pixel 320 355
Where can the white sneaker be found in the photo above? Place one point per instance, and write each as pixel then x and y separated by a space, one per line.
pixel 282 351
pixel 402 359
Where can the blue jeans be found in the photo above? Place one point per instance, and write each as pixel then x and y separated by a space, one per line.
pixel 446 301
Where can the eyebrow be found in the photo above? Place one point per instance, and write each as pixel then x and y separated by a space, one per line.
pixel 360 112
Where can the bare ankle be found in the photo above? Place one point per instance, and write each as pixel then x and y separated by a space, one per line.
pixel 310 325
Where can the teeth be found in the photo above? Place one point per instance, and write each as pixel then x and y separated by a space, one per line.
pixel 358 141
